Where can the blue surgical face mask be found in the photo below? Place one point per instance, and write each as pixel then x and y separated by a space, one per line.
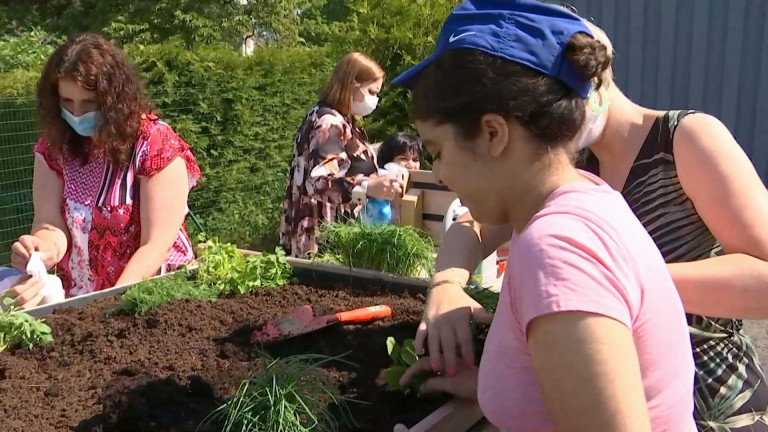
pixel 85 124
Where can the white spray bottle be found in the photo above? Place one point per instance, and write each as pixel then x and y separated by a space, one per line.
pixel 486 272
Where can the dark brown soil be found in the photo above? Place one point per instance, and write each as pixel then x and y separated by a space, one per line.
pixel 167 371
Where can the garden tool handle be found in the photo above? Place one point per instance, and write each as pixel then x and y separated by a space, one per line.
pixel 365 314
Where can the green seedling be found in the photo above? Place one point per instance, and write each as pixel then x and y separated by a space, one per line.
pixel 223 267
pixel 149 295
pixel 403 356
pixel 21 330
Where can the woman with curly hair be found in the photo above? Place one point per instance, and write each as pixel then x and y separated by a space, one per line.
pixel 110 181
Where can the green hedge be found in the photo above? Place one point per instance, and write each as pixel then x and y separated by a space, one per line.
pixel 239 114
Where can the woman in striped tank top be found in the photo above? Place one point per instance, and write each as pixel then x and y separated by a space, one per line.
pixel 701 200
pixel 110 181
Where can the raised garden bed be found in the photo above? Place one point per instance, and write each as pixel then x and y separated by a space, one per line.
pixel 168 370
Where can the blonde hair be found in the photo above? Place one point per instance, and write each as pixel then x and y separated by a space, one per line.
pixel 354 68
pixel 600 35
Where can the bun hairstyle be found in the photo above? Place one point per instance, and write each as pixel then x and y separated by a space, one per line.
pixel 600 35
pixel 588 56
pixel 463 84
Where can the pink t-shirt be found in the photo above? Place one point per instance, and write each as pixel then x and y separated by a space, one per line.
pixel 586 251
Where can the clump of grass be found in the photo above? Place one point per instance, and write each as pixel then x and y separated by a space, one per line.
pixel 394 249
pixel 21 330
pixel 151 294
pixel 291 394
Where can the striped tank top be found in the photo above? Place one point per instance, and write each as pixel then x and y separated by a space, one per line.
pixel 730 389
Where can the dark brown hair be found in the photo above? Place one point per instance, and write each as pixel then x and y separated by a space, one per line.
pixel 397 144
pixel 353 68
pixel 97 65
pixel 462 85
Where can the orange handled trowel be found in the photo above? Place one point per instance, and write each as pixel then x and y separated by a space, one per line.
pixel 302 321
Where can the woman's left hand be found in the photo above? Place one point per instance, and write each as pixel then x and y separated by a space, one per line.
pixel 463 384
pixel 27 293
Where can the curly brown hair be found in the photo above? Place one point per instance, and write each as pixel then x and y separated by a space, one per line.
pixel 100 66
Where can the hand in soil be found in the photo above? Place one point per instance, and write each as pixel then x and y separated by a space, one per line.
pixel 27 293
pixel 462 383
pixel 446 327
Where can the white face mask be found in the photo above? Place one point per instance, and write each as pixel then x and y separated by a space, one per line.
pixel 366 106
pixel 594 120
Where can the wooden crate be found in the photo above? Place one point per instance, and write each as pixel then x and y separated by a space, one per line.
pixel 424 204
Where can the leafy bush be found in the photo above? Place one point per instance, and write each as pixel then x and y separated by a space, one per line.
pixel 239 114
pixel 193 22
pixel 394 249
pixel 21 330
pixel 29 50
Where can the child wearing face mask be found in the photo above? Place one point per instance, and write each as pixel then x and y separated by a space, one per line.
pixel 334 171
pixel 401 148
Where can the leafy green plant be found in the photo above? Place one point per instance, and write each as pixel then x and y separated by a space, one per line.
pixel 395 249
pixel 228 271
pixel 149 295
pixel 222 270
pixel 19 329
pixel 403 356
pixel 291 394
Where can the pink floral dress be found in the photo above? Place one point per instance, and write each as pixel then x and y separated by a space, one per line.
pixel 101 208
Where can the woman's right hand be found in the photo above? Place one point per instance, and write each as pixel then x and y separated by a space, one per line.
pixel 384 187
pixel 22 250
pixel 445 326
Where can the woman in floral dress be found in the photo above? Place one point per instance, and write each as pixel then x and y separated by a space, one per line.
pixel 110 181
pixel 334 167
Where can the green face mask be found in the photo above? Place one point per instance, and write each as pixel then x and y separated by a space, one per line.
pixel 595 118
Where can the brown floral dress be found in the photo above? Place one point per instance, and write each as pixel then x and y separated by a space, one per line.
pixel 331 154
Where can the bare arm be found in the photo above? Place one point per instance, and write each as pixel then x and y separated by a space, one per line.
pixel 587 368
pixel 733 202
pixel 163 206
pixel 464 247
pixel 49 233
pixel 445 323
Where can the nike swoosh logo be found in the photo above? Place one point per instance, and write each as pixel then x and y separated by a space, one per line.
pixel 454 37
